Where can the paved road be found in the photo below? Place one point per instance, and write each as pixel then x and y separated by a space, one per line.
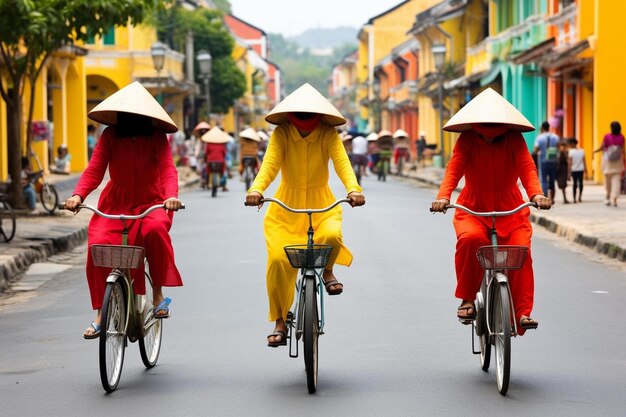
pixel 392 347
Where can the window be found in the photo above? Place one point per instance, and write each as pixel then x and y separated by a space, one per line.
pixel 109 37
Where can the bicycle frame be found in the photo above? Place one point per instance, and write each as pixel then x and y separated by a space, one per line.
pixel 307 273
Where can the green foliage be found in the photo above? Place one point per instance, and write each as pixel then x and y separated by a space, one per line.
pixel 300 66
pixel 209 33
pixel 223 5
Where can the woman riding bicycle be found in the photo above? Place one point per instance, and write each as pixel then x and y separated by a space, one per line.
pixel 300 148
pixel 136 152
pixel 215 152
pixel 249 141
pixel 491 154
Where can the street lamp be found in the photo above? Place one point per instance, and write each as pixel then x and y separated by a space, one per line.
pixel 205 61
pixel 439 56
pixel 157 51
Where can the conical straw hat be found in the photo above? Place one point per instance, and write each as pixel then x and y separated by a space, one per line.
pixel 215 135
pixel 372 137
pixel 135 99
pixel 305 99
pixel 400 134
pixel 201 125
pixel 384 133
pixel 251 134
pixel 488 107
pixel 263 135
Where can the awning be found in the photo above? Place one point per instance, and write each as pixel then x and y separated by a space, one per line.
pixel 491 75
pixel 533 54
pixel 464 81
pixel 564 56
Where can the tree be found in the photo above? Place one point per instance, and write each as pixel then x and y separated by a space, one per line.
pixel 31 31
pixel 228 83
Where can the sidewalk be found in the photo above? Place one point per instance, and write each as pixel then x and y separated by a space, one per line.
pixel 40 235
pixel 589 223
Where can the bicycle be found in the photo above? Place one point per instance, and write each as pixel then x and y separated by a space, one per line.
pixel 495 313
pixel 47 192
pixel 308 320
pixel 383 165
pixel 7 219
pixel 214 172
pixel 249 164
pixel 125 316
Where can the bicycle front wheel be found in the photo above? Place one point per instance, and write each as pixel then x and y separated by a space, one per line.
pixel 49 197
pixel 7 221
pixel 248 177
pixel 150 342
pixel 311 333
pixel 112 335
pixel 502 335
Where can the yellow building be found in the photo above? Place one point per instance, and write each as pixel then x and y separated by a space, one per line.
pixel 447 28
pixel 377 39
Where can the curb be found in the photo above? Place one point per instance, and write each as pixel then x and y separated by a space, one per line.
pixel 605 248
pixel 33 251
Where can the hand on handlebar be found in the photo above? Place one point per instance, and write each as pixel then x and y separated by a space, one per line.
pixel 542 202
pixel 356 199
pixel 173 204
pixel 254 199
pixel 440 205
pixel 73 202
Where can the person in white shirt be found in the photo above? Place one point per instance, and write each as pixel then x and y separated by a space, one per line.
pixel 359 152
pixel 578 168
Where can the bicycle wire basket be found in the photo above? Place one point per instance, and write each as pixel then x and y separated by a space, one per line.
pixel 301 256
pixel 116 256
pixel 502 257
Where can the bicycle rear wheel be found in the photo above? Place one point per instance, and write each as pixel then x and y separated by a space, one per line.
pixel 150 342
pixel 311 333
pixel 248 176
pixel 502 335
pixel 49 197
pixel 7 221
pixel 112 335
pixel 214 183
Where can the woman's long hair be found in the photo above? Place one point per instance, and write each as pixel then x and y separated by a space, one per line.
pixel 130 125
pixel 616 128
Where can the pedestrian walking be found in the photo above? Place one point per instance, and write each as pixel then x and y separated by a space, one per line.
pixel 563 169
pixel 613 157
pixel 578 168
pixel 546 145
pixel 420 145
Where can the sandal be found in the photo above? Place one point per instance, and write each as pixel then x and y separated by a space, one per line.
pixel 333 291
pixel 95 333
pixel 162 311
pixel 528 323
pixel 467 317
pixel 281 342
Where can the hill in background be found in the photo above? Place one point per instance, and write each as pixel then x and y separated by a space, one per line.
pixel 310 56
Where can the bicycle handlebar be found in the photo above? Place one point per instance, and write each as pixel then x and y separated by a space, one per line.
pixel 490 213
pixel 303 211
pixel 120 216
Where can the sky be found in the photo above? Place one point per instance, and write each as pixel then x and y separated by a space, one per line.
pixel 292 17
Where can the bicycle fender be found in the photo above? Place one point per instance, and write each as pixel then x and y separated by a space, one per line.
pixel 501 278
pixel 114 275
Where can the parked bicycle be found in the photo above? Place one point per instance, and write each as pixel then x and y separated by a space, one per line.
pixel 494 323
pixel 47 192
pixel 7 219
pixel 125 315
pixel 306 318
